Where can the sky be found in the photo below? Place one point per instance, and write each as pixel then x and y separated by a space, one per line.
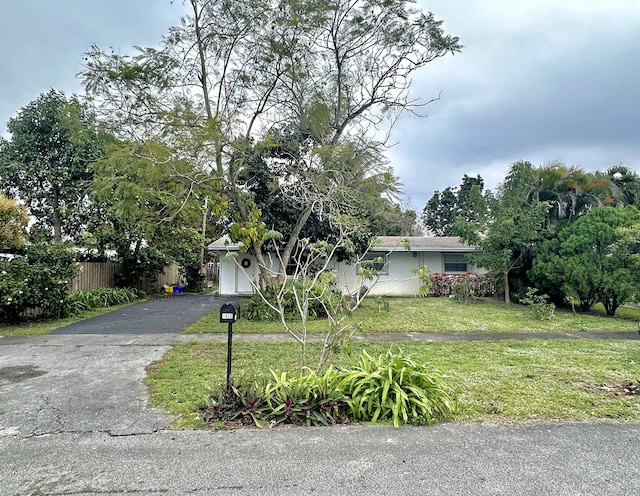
pixel 537 80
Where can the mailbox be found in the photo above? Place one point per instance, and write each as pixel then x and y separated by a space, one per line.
pixel 229 312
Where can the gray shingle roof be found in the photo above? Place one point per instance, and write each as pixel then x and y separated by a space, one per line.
pixel 420 243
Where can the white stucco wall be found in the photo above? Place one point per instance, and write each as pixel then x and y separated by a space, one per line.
pixel 399 281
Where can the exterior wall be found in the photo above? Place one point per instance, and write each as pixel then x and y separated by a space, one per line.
pixel 235 279
pixel 399 281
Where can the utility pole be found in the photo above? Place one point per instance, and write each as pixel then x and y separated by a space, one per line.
pixel 204 229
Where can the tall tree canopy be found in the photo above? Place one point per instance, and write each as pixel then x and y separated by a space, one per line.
pixel 47 161
pixel 312 80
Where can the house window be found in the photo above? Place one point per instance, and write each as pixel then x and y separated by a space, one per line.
pixel 379 264
pixel 455 262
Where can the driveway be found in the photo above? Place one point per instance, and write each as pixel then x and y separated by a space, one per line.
pixel 162 315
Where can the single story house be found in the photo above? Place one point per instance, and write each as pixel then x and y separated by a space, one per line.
pixel 393 257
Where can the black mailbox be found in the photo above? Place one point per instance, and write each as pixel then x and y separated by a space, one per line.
pixel 229 312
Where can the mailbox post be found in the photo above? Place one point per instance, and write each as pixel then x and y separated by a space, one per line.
pixel 229 313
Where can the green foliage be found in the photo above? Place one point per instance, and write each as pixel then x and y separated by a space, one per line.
pixel 306 400
pixel 382 303
pixel 13 224
pixel 539 304
pixel 323 295
pixel 83 301
pixel 463 290
pixel 443 209
pixel 589 260
pixel 39 281
pixel 390 388
pixel 426 280
pixel 46 163
pixel 394 387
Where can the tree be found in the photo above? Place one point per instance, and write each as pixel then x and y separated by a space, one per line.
pixel 589 260
pixel 569 191
pixel 443 208
pixel 46 162
pixel 13 224
pixel 627 181
pixel 311 79
pixel 144 212
pixel 507 236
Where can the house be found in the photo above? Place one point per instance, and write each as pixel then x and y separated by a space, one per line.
pixel 392 257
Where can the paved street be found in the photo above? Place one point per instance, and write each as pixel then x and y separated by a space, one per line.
pixel 74 421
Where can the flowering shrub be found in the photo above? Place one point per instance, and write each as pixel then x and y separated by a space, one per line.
pixel 38 280
pixel 474 285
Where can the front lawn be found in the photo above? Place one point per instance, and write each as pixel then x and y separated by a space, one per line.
pixel 442 315
pixel 495 381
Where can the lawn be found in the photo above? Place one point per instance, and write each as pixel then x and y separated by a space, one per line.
pixel 443 315
pixel 508 381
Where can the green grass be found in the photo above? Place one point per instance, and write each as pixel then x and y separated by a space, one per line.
pixel 443 315
pixel 508 381
pixel 38 328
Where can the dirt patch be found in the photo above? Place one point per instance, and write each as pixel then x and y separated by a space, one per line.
pixel 626 388
pixel 19 373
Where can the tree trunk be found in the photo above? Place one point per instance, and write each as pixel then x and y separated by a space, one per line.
pixel 507 295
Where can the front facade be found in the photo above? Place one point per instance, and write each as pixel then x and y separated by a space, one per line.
pixel 392 257
pixel 395 257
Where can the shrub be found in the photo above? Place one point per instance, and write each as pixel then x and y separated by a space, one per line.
pixel 479 285
pixel 308 400
pixel 321 294
pixel 83 301
pixel 395 388
pixel 391 388
pixel 426 280
pixel 540 307
pixel 39 281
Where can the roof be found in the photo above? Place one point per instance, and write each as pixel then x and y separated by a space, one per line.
pixel 224 244
pixel 421 243
pixel 382 243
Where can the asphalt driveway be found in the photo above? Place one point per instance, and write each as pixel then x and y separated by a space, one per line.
pixel 162 315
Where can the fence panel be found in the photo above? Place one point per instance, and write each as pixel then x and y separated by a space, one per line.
pixel 95 275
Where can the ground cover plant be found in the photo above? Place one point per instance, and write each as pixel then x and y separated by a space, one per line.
pixel 442 315
pixel 499 381
pixel 391 387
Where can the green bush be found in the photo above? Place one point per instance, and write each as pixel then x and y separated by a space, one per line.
pixel 321 294
pixel 83 301
pixel 39 280
pixel 540 307
pixel 307 400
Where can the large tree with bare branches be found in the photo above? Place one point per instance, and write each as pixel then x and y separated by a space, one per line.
pixel 314 85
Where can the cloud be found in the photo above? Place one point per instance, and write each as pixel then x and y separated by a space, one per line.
pixel 536 80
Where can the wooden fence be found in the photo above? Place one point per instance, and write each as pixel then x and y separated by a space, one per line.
pixel 94 275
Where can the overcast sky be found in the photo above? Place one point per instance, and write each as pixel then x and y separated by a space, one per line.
pixel 537 80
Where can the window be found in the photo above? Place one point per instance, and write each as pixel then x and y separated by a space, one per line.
pixel 379 264
pixel 454 262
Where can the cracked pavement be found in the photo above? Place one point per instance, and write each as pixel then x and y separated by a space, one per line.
pixel 79 388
